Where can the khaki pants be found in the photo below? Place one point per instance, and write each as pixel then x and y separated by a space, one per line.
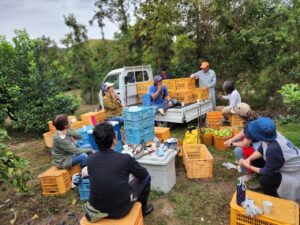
pixel 226 112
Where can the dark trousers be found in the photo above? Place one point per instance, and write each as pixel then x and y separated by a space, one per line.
pixel 141 190
pixel 270 184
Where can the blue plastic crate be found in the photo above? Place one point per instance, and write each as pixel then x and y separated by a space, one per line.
pixel 118 146
pixel 140 124
pixel 92 142
pixel 116 126
pixel 85 137
pixel 84 189
pixel 135 136
pixel 146 99
pixel 142 112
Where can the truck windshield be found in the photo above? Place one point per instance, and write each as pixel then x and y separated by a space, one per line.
pixel 113 78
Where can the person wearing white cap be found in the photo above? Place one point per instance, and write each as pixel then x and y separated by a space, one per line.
pixel 111 103
pixel 207 78
pixel 245 145
pixel 281 174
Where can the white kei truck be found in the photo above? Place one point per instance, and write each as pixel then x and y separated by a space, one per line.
pixel 125 80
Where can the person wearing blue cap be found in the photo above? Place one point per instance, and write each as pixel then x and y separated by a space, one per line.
pixel 160 99
pixel 281 174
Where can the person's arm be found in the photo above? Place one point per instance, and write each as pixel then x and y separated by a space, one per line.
pixel 233 99
pixel 195 75
pixel 154 94
pixel 136 169
pixel 236 137
pixel 67 146
pixel 74 134
pixel 213 79
pixel 244 143
pixel 108 104
pixel 226 97
pixel 247 162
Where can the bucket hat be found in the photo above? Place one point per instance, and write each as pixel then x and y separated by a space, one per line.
pixel 262 129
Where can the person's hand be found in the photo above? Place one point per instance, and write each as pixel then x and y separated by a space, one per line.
pixel 159 86
pixel 220 96
pixel 244 163
pixel 228 143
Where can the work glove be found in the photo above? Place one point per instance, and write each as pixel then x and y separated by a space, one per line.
pixel 229 166
pixel 251 209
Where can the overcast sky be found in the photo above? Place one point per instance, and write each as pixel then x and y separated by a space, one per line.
pixel 45 17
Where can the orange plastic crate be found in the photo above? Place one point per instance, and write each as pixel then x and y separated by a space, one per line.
pixel 183 96
pixel 170 84
pixel 219 142
pixel 76 125
pixel 48 138
pixel 143 87
pixel 87 117
pixel 215 125
pixel 162 133
pixel 200 93
pixel 207 139
pixel 236 120
pixel 55 181
pixel 214 117
pixel 52 128
pixel 283 211
pixel 185 84
pixel 198 161
pixel 134 217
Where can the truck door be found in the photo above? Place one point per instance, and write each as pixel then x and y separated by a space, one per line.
pixel 138 75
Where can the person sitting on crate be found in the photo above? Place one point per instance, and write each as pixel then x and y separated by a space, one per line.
pixel 110 193
pixel 164 75
pixel 244 143
pixel 65 153
pixel 112 103
pixel 160 99
pixel 234 98
pixel 207 78
pixel 281 174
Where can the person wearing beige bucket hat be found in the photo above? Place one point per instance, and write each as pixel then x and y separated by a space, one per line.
pixel 245 145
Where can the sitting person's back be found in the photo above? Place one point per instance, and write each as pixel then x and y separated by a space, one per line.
pixel 65 153
pixel 109 173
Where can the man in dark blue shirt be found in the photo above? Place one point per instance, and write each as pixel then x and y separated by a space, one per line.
pixel 160 99
pixel 164 74
pixel 109 171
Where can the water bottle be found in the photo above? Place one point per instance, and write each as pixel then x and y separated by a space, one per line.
pixel 240 191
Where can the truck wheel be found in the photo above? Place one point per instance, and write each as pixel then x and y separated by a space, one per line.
pixel 163 124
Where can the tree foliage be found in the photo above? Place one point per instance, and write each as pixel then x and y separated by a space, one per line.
pixel 30 84
pixel 13 169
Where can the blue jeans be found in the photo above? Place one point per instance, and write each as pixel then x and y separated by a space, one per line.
pixel 118 119
pixel 80 158
pixel 163 104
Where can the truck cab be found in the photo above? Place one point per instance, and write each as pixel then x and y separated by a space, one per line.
pixel 125 80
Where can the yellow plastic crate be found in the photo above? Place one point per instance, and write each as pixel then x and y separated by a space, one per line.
pixel 73 170
pixel 76 125
pixel 52 128
pixel 185 84
pixel 134 217
pixel 283 212
pixel 170 84
pixel 200 93
pixel 87 117
pixel 48 138
pixel 214 117
pixel 236 120
pixel 162 133
pixel 198 161
pixel 143 87
pixel 55 181
pixel 183 96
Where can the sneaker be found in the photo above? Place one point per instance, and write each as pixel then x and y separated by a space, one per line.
pixel 161 111
pixel 148 209
pixel 248 177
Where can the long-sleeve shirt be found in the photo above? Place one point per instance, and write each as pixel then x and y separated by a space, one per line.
pixel 109 174
pixel 64 148
pixel 234 99
pixel 112 106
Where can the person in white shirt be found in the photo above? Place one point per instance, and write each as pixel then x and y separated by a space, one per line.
pixel 233 96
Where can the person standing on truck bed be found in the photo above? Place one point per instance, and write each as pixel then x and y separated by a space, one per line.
pixel 164 74
pixel 207 78
pixel 111 103
pixel 160 99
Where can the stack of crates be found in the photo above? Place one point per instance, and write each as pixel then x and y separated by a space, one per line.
pixel 55 181
pixel 93 117
pixel 138 124
pixel 84 133
pixel 143 88
pixel 214 119
pixel 201 93
pixel 236 121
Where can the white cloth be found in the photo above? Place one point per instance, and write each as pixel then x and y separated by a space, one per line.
pixel 234 99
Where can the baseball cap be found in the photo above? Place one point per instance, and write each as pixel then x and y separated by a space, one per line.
pixel 204 65
pixel 242 109
pixel 157 78
pixel 106 85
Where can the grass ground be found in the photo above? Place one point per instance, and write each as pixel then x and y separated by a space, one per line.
pixel 190 202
